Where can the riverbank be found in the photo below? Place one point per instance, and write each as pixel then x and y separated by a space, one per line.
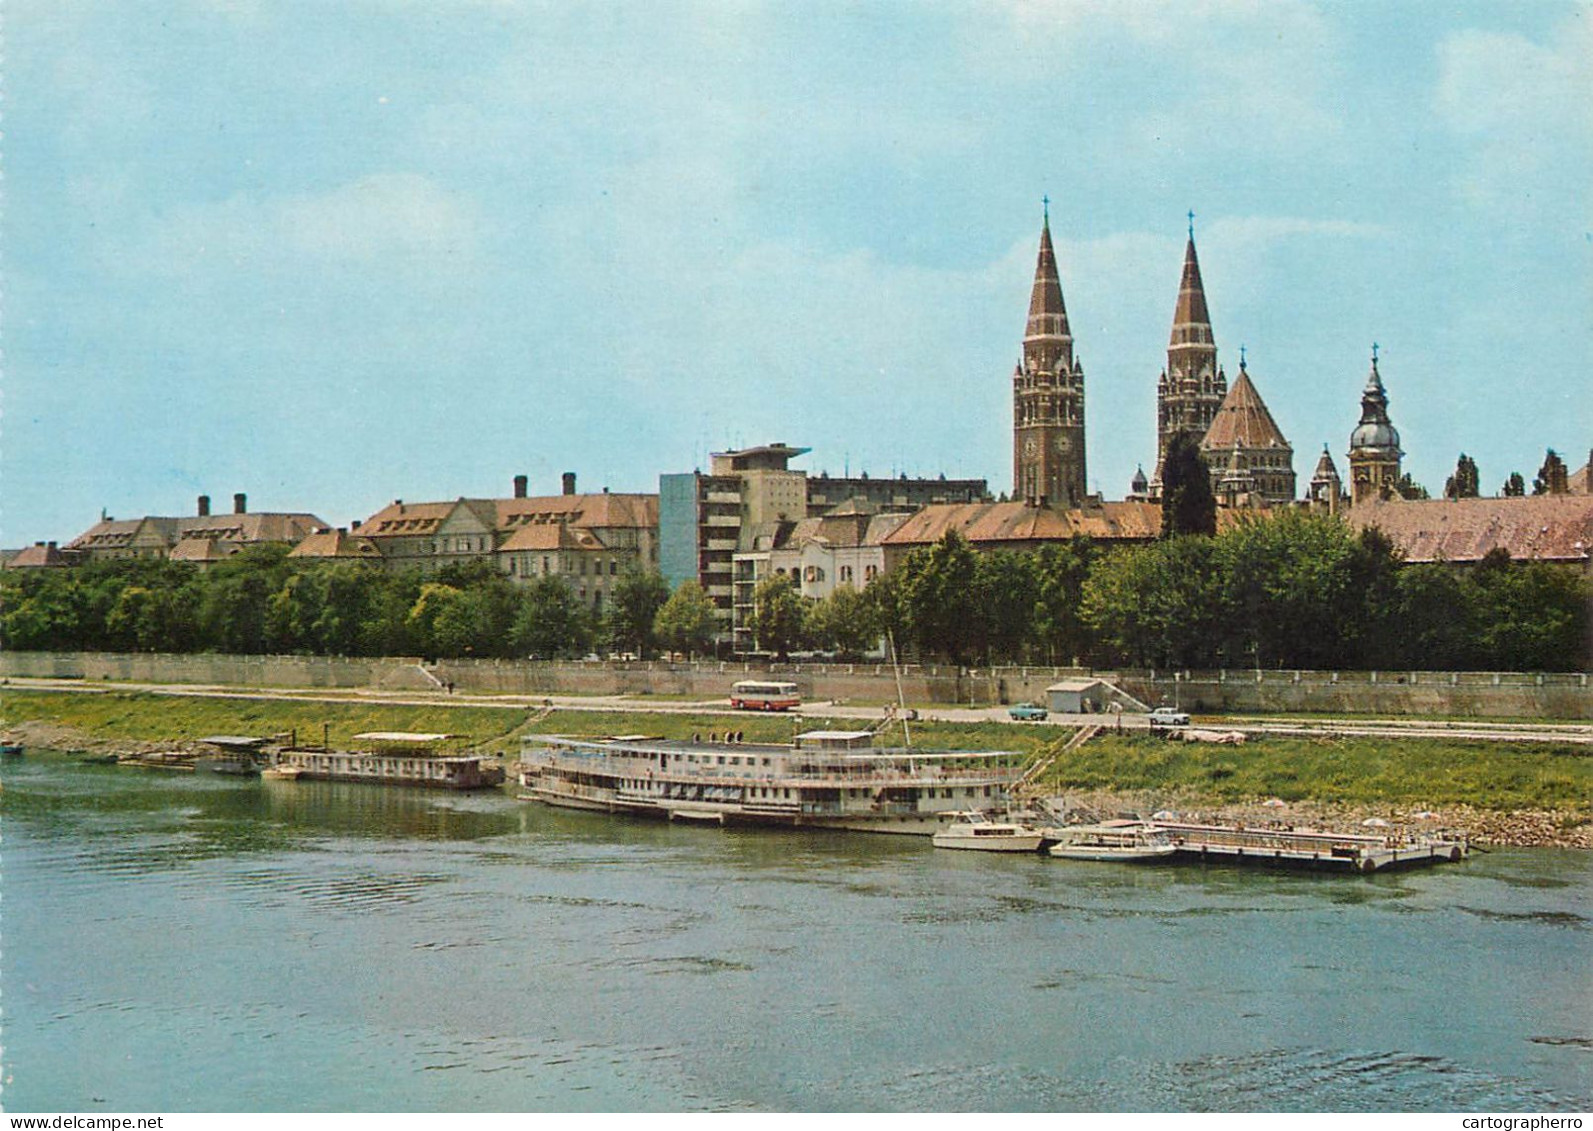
pixel 1523 794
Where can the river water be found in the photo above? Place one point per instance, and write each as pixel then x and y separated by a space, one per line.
pixel 175 942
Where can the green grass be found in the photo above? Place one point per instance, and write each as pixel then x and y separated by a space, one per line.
pixel 1357 771
pixel 162 718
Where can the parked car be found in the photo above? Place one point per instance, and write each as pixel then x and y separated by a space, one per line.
pixel 1028 712
pixel 1168 717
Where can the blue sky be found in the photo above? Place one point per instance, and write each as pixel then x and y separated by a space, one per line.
pixel 337 254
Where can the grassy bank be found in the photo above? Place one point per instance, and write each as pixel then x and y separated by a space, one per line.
pixel 1355 772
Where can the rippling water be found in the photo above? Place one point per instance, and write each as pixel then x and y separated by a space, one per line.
pixel 179 942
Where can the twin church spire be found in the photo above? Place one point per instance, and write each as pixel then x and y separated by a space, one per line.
pixel 1192 395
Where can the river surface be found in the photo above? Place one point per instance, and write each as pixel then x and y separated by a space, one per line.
pixel 179 942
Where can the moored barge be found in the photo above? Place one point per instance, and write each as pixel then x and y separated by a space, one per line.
pixel 824 780
pixel 393 758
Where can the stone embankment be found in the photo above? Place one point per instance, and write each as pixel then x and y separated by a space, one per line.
pixel 1519 828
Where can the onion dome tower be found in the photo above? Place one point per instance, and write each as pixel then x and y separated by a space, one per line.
pixel 1374 445
pixel 1048 395
pixel 1192 387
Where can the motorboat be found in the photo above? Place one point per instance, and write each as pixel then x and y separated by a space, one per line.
pixel 1112 841
pixel 974 830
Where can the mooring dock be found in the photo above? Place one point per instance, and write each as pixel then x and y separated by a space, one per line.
pixel 1303 848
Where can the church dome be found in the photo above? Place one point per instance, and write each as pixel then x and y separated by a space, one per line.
pixel 1374 434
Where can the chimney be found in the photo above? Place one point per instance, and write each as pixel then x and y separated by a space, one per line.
pixel 240 503
pixel 204 506
pixel 569 482
pixel 355 525
pixel 519 486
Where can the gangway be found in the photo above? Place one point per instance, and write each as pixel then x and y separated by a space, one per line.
pixel 1024 786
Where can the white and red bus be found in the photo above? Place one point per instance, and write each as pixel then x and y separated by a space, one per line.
pixel 758 695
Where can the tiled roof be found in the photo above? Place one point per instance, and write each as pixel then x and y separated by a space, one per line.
pixel 336 544
pixel 1243 420
pixel 552 536
pixel 1018 523
pixel 398 519
pixel 603 509
pixel 261 526
pixel 1532 527
pixel 41 555
pixel 202 550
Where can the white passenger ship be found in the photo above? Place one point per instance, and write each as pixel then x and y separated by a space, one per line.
pixel 824 779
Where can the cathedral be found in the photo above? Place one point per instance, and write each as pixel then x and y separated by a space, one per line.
pixel 1250 461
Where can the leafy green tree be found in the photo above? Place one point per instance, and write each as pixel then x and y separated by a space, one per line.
pixel 939 598
pixel 885 607
pixel 1290 590
pixel 551 622
pixel 1060 571
pixel 1532 616
pixel 686 622
pixel 844 622
pixel 1431 622
pixel 1156 605
pixel 777 617
pixel 42 610
pixel 1465 482
pixel 1514 487
pixel 1006 591
pixel 636 599
pixel 236 596
pixel 1188 506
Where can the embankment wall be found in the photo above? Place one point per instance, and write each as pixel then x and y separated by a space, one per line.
pixel 1525 695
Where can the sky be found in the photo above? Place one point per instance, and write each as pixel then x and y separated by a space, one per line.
pixel 331 255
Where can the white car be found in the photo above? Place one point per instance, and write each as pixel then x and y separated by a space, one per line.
pixel 1168 717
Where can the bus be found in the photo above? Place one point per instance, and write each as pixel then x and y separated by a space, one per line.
pixel 759 695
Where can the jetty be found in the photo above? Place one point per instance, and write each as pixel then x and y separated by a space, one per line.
pixel 1306 848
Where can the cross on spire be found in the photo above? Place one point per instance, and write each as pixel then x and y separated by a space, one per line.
pixel 1374 353
pixel 1241 355
pixel 1046 202
pixel 1191 223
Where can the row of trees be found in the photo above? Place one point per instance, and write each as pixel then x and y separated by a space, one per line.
pixel 1553 478
pixel 260 601
pixel 1291 589
pixel 1288 590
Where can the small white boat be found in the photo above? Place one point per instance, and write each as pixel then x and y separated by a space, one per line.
pixel 1115 841
pixel 977 832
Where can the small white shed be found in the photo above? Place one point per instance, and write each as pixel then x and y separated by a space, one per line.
pixel 1077 696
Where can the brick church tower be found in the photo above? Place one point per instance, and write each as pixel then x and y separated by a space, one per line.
pixel 1192 387
pixel 1048 396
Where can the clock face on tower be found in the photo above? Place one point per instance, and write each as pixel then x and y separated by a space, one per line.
pixel 1030 447
pixel 1062 444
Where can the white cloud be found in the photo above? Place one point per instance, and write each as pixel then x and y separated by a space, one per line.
pixel 1525 108
pixel 1220 73
pixel 397 222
